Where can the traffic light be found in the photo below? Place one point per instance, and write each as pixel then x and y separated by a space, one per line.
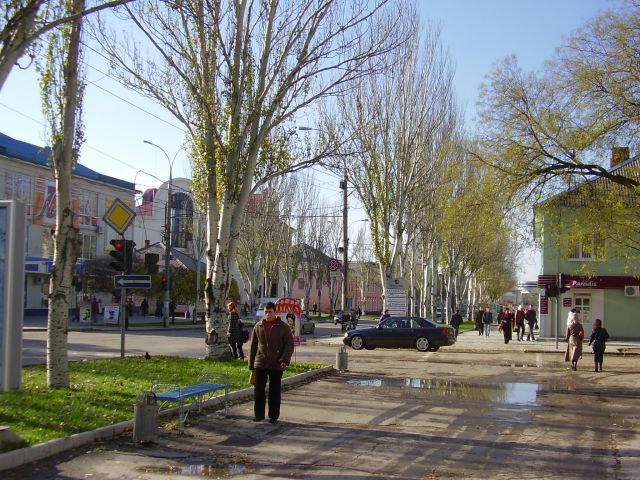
pixel 164 282
pixel 551 290
pixel 128 255
pixel 118 262
pixel 563 283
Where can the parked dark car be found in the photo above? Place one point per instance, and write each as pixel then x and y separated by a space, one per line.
pixel 402 332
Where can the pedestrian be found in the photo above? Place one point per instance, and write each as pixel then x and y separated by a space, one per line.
pixel 487 319
pixel 94 309
pixel 598 340
pixel 315 308
pixel 574 337
pixel 507 325
pixel 144 307
pixel 480 320
pixel 500 316
pixel 270 353
pixel 519 318
pixel 384 316
pixel 172 311
pixel 456 320
pixel 572 314
pixel 532 321
pixel 234 331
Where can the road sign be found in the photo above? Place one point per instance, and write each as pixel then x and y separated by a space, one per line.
pixel 333 264
pixel 119 216
pixel 132 281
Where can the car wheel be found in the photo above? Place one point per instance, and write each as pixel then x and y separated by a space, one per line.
pixel 357 342
pixel 422 344
pixel 434 349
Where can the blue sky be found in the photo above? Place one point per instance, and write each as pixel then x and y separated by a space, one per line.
pixel 476 33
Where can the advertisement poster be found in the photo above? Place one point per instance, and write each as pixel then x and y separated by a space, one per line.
pixel 85 313
pixel 111 313
pixel 44 202
pixel 289 309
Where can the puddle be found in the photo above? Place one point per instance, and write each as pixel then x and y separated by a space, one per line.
pixel 215 470
pixel 505 393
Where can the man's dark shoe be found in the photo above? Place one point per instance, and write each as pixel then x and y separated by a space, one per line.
pixel 258 419
pixel 273 420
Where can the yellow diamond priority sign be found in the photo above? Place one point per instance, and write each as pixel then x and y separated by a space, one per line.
pixel 119 216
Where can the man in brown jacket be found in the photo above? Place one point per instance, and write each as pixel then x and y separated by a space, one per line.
pixel 271 350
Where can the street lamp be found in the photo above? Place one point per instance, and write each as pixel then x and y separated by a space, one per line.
pixel 167 243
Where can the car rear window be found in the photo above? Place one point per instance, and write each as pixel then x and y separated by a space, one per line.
pixel 424 323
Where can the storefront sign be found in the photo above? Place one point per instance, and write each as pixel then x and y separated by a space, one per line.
pixel 601 282
pixel 610 282
pixel 544 305
pixel 566 302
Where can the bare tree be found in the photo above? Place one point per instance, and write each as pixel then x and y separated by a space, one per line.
pixel 234 72
pixel 394 123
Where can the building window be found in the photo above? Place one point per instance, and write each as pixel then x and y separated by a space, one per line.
pixel 87 246
pixel 181 220
pixel 586 248
pixel 18 187
pixel 87 208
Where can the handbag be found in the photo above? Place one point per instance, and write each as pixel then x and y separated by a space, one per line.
pixel 252 377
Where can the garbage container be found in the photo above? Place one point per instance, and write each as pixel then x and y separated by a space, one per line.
pixel 145 418
pixel 342 359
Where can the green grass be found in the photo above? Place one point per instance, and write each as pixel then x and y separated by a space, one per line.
pixel 466 326
pixel 103 392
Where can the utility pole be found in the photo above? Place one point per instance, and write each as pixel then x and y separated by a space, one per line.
pixel 345 241
pixel 167 240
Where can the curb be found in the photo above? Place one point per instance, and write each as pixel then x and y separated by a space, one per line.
pixel 22 456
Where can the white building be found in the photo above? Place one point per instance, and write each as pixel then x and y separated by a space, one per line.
pixel 25 175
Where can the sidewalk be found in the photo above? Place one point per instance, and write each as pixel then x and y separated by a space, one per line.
pixel 471 342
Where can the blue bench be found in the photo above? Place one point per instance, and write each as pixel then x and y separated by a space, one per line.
pixel 205 389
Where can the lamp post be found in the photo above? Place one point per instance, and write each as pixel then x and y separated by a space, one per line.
pixel 167 243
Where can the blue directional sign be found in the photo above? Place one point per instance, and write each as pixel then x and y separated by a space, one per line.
pixel 132 281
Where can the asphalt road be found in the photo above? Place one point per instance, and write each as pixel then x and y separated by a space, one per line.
pixel 481 410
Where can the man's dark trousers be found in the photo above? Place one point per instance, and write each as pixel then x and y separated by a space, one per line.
pixel 275 379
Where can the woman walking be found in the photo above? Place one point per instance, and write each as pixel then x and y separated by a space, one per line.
pixel 234 331
pixel 507 325
pixel 574 337
pixel 520 323
pixel 599 337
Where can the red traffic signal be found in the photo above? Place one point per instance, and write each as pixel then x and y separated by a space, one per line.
pixel 164 282
pixel 118 262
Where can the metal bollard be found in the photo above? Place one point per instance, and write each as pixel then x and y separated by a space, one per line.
pixel 342 359
pixel 145 418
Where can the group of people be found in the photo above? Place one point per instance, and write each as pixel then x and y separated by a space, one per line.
pixel 508 321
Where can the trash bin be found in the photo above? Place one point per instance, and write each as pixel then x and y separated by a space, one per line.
pixel 342 359
pixel 145 418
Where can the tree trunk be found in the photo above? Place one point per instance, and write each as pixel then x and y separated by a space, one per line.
pixel 66 235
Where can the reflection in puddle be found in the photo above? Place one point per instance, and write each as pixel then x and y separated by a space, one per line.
pixel 508 393
pixel 206 470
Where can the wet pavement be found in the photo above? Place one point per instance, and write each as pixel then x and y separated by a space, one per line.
pixel 473 413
